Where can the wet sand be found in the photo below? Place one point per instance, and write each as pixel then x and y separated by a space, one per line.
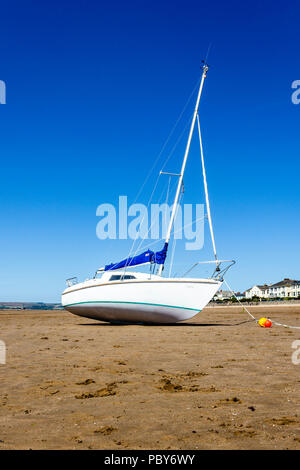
pixel 216 382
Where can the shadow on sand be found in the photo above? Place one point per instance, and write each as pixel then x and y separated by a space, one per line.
pixel 178 325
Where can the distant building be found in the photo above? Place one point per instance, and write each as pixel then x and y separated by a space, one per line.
pixel 286 288
pixel 256 291
pixel 239 295
pixel 223 295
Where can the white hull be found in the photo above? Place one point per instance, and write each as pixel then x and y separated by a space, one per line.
pixel 159 300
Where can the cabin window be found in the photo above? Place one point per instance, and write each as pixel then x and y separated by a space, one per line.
pixel 117 277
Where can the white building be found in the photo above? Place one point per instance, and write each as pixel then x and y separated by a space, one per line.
pixel 223 295
pixel 285 288
pixel 257 291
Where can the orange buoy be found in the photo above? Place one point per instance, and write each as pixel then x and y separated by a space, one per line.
pixel 262 321
pixel 265 322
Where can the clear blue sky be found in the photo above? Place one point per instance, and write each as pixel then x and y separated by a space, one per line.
pixel 93 89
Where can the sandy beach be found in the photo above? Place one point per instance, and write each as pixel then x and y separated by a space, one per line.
pixel 216 382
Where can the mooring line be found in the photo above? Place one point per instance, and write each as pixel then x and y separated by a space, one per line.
pixel 254 319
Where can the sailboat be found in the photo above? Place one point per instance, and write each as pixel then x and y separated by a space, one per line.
pixel 119 295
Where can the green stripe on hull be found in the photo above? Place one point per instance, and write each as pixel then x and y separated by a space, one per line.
pixel 136 303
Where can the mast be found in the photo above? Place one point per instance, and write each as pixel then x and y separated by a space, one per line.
pixel 205 69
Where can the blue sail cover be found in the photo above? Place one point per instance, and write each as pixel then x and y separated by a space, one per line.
pixel 160 256
pixel 147 257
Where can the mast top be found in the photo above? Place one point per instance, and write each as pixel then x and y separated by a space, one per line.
pixel 205 66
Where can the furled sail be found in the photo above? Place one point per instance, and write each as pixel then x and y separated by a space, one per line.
pixel 148 256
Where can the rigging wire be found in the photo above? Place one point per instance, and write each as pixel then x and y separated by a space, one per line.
pixel 208 51
pixel 168 139
pixel 170 154
pixel 167 198
pixel 168 158
pixel 177 231
pixel 134 241
pixel 174 242
pixel 161 152
pixel 206 193
pixel 177 142
pixel 149 228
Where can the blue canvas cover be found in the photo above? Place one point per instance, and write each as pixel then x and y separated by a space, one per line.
pixel 160 256
pixel 147 257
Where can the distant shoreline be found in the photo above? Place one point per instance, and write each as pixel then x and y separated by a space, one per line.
pixel 258 304
pixel 30 306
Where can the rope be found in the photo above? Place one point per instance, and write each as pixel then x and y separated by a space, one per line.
pixel 254 319
pixel 285 326
pixel 240 302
